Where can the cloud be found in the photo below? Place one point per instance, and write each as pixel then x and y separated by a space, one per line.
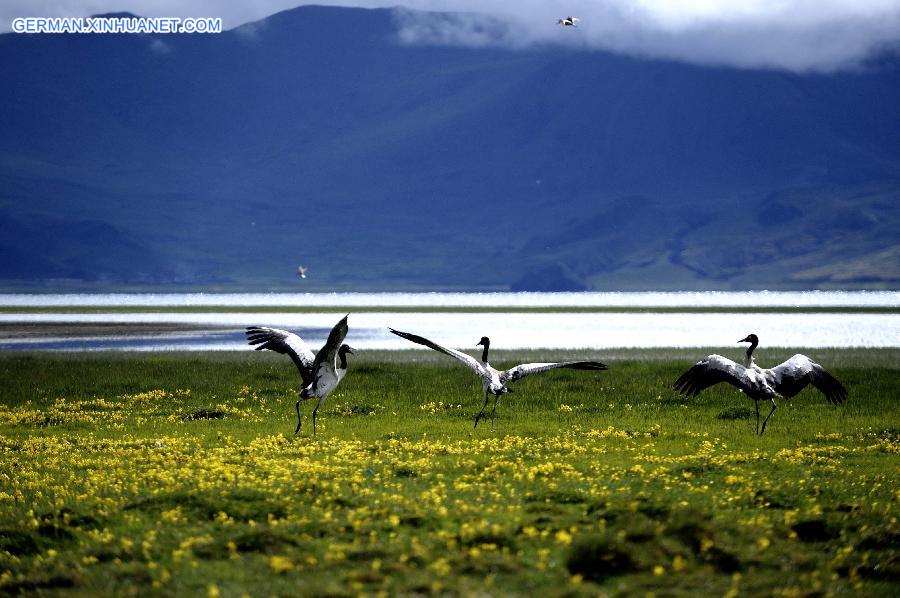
pixel 799 35
pixel 158 46
pixel 250 31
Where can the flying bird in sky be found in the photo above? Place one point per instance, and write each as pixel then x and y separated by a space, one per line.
pixel 568 22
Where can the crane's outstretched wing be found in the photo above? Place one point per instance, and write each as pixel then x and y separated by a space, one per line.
pixel 287 343
pixel 710 371
pixel 421 340
pixel 327 354
pixel 527 369
pixel 793 375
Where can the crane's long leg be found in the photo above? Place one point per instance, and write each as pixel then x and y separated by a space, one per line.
pixel 494 410
pixel 299 419
pixel 756 403
pixel 483 406
pixel 319 402
pixel 774 407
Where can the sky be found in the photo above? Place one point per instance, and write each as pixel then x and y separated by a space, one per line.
pixel 797 35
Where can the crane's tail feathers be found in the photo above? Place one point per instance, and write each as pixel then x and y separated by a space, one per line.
pixel 256 331
pixel 833 390
pixel 412 337
pixel 266 338
pixel 588 365
pixel 405 335
pixel 686 383
pixel 256 335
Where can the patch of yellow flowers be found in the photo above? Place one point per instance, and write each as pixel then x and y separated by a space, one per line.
pixel 475 495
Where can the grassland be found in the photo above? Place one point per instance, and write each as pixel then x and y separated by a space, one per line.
pixel 177 474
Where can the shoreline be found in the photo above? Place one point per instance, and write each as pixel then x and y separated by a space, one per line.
pixel 50 330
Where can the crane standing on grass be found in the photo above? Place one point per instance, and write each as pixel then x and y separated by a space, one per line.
pixel 783 381
pixel 320 373
pixel 493 381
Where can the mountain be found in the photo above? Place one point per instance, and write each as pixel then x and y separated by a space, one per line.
pixel 314 136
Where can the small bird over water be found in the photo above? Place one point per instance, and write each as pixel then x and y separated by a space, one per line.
pixel 568 22
pixel 301 271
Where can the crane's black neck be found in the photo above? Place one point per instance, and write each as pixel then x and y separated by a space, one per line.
pixel 342 355
pixel 751 348
pixel 484 352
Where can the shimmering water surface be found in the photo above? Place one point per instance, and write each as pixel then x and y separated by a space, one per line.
pixel 646 299
pixel 558 329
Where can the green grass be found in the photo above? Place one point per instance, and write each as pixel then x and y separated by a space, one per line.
pixel 177 474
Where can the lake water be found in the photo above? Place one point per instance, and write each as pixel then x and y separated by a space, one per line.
pixel 646 299
pixel 558 330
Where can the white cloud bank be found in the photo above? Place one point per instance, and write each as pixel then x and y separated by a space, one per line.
pixel 799 35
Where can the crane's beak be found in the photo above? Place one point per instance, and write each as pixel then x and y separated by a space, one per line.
pixel 745 340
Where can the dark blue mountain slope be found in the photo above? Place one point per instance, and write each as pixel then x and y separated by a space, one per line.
pixel 314 136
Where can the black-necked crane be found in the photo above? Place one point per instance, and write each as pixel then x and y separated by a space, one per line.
pixel 781 381
pixel 494 382
pixel 568 22
pixel 321 373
